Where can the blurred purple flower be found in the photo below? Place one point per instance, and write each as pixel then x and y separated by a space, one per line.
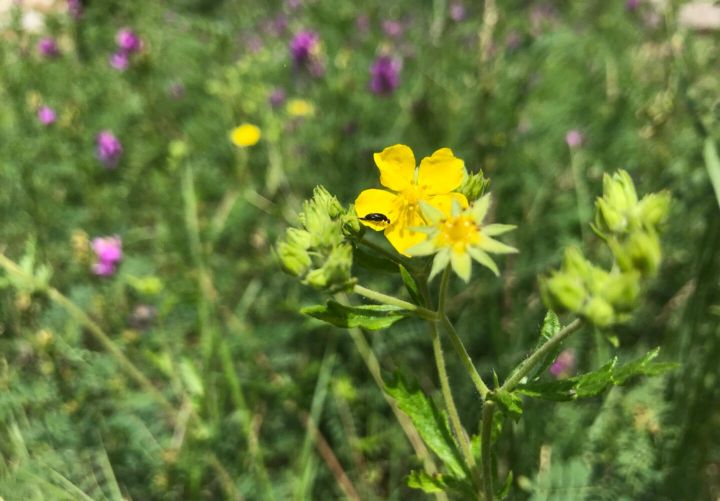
pixel 75 8
pixel 47 47
pixel 177 90
pixel 457 12
pixel 277 97
pixel 362 23
pixel 293 4
pixel 109 253
pixel 108 149
pixel 304 46
pixel 632 4
pixel 385 75
pixel 392 28
pixel 574 138
pixel 513 40
pixel 564 364
pixel 128 41
pixel 119 60
pixel 46 115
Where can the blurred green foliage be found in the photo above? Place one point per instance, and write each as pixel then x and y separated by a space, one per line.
pixel 260 395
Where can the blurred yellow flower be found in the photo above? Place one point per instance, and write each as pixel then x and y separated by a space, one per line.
pixel 245 135
pixel 433 182
pixel 300 108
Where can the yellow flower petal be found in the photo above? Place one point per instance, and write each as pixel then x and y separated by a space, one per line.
pixel 444 202
pixel 442 172
pixel 376 202
pixel 300 108
pixel 245 135
pixel 397 167
pixel 400 235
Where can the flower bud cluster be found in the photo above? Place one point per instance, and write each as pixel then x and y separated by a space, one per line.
pixel 318 251
pixel 630 229
pixel 474 186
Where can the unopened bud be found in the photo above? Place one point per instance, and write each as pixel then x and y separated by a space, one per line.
pixel 474 186
pixel 563 292
pixel 599 312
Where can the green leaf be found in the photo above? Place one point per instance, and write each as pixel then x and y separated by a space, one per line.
pixel 712 164
pixel 429 422
pixel 372 261
pixel 509 403
pixel 643 366
pixel 425 482
pixel 594 383
pixel 410 284
pixel 504 489
pixel 551 325
pixel 371 316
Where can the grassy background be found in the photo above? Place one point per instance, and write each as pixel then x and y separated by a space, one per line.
pixel 245 375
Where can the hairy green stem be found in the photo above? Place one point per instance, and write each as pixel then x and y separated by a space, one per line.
pixel 536 357
pixel 379 297
pixel 457 343
pixel 485 439
pixel 449 401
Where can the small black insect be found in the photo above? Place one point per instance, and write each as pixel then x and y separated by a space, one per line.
pixel 376 217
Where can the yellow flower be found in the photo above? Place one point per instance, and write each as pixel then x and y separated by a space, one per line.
pixel 461 237
pixel 245 135
pixel 300 108
pixel 433 182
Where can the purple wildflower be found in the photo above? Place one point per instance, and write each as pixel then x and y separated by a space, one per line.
pixel 46 115
pixel 564 364
pixel 574 138
pixel 47 47
pixel 108 149
pixel 128 41
pixel 304 46
pixel 457 12
pixel 362 23
pixel 75 8
pixel 393 29
pixel 293 4
pixel 384 75
pixel 277 97
pixel 119 60
pixel 632 4
pixel 109 253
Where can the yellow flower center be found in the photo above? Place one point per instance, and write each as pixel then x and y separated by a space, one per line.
pixel 457 233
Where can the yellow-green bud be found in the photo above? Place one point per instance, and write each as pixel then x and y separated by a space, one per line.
pixel 564 292
pixel 608 219
pixel 576 264
pixel 599 312
pixel 643 251
pixel 294 258
pixel 653 209
pixel 474 186
pixel 621 290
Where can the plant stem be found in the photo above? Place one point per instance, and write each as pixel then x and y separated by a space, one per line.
pixel 379 297
pixel 485 439
pixel 448 398
pixel 526 366
pixel 457 343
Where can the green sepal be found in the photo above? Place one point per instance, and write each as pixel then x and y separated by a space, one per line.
pixel 504 489
pixel 430 423
pixel 371 316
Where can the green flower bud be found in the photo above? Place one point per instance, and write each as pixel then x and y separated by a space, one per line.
pixel 619 191
pixel 599 312
pixel 351 224
pixel 474 186
pixel 298 238
pixel 622 290
pixel 178 149
pixel 294 258
pixel 563 292
pixel 607 219
pixel 643 251
pixel 653 209
pixel 326 202
pixel 576 264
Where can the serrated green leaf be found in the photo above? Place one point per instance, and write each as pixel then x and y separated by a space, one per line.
pixel 560 390
pixel 371 316
pixel 425 482
pixel 410 285
pixel 643 366
pixel 372 261
pixel 509 403
pixel 430 423
pixel 594 383
pixel 551 325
